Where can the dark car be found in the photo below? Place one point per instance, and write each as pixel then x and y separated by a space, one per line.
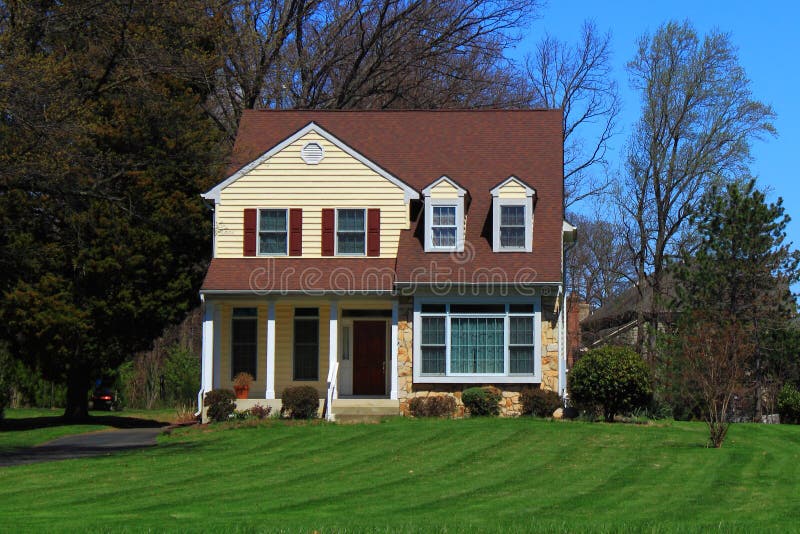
pixel 104 399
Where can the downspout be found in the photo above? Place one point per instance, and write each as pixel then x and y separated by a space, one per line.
pixel 562 319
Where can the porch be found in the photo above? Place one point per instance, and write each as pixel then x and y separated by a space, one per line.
pixel 345 348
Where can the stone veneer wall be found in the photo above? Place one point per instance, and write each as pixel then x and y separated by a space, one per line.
pixel 510 405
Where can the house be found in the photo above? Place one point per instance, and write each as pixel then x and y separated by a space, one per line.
pixel 383 255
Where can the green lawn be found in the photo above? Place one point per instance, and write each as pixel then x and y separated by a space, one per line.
pixel 25 427
pixel 421 475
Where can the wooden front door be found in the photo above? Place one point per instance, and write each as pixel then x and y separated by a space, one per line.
pixel 369 358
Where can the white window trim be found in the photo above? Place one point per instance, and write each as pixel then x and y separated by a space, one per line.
pixel 336 234
pixel 258 233
pixel 535 378
pixel 458 203
pixel 497 203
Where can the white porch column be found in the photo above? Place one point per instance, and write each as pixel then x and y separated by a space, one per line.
pixel 270 393
pixel 395 313
pixel 333 341
pixel 207 373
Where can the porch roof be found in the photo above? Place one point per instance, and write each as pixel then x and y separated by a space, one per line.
pixel 312 275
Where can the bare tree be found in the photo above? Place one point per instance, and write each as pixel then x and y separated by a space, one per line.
pixel 598 266
pixel 577 78
pixel 715 354
pixel 698 120
pixel 357 54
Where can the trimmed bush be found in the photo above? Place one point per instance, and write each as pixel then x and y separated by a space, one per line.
pixel 220 403
pixel 482 401
pixel 438 406
pixel 612 380
pixel 789 404
pixel 300 402
pixel 539 402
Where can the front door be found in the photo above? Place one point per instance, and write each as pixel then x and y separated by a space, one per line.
pixel 369 358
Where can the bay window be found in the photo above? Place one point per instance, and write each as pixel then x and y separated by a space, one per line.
pixel 468 342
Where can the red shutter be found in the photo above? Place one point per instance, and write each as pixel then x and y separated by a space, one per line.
pixel 328 223
pixel 295 232
pixel 374 232
pixel 250 222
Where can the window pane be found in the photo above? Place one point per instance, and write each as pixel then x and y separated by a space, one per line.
pixel 244 343
pixel 521 308
pixel 433 331
pixel 433 360
pixel 444 215
pixel 350 243
pixel 477 308
pixel 245 312
pixel 512 237
pixel 306 349
pixel 306 312
pixel 521 360
pixel 512 215
pixel 444 237
pixel 476 345
pixel 273 221
pixel 350 220
pixel 433 308
pixel 271 243
pixel 521 331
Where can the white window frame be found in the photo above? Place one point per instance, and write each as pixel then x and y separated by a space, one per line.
pixel 458 204
pixel 336 234
pixel 500 203
pixel 458 201
pixel 466 378
pixel 258 233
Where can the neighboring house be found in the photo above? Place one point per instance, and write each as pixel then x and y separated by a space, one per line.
pixel 614 323
pixel 388 255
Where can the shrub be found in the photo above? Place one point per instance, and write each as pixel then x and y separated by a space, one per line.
pixel 482 401
pixel 260 412
pixel 539 402
pixel 611 379
pixel 300 402
pixel 220 403
pixel 439 406
pixel 789 404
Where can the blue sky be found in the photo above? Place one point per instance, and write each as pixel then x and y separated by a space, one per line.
pixel 769 50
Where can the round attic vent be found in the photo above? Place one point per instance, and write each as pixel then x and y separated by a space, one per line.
pixel 312 153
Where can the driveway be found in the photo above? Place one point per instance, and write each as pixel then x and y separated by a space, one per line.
pixel 100 443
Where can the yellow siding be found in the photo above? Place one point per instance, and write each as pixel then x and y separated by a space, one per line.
pixel 444 189
pixel 512 190
pixel 284 343
pixel 286 181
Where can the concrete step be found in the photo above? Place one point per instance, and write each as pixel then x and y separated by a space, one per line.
pixel 364 410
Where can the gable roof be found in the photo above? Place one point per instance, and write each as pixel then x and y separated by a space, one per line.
pixel 529 191
pixel 214 193
pixel 459 190
pixel 476 148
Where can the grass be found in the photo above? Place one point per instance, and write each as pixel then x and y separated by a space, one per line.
pixel 422 475
pixel 26 427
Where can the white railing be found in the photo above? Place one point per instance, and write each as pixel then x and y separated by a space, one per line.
pixel 333 376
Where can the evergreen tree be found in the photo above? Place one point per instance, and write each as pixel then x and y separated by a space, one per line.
pixel 741 273
pixel 104 149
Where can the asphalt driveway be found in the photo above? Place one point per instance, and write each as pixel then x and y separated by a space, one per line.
pixel 100 443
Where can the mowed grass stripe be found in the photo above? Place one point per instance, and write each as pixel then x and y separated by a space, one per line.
pixel 422 475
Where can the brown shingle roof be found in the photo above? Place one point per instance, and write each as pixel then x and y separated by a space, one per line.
pixel 477 149
pixel 268 275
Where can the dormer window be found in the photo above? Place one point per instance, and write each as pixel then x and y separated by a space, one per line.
pixel 443 226
pixel 512 209
pixel 444 216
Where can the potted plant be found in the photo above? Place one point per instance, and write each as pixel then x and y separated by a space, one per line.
pixel 241 385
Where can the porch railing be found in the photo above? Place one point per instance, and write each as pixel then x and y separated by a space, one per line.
pixel 333 376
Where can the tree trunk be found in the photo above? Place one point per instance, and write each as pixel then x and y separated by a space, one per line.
pixel 77 408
